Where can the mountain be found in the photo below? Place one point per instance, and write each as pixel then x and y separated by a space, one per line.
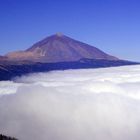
pixel 56 52
pixel 59 48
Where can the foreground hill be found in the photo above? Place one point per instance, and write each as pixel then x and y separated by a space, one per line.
pixel 2 137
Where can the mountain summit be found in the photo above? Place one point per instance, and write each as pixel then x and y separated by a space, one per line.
pixel 59 48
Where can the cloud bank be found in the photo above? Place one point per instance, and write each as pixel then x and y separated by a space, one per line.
pixel 93 104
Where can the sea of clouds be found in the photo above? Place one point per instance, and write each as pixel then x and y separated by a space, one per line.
pixel 90 104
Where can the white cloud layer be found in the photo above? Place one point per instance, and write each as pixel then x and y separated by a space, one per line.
pixel 94 104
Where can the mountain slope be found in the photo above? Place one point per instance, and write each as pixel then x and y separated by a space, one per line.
pixel 59 48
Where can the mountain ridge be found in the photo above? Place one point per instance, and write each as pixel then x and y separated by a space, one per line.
pixel 10 70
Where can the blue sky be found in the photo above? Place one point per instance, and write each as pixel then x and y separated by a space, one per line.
pixel 111 25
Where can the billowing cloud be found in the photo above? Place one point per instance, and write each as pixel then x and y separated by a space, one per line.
pixel 93 104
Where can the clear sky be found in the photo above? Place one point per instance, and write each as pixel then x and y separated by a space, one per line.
pixel 111 25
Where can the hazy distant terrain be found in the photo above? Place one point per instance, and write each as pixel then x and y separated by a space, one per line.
pixel 73 105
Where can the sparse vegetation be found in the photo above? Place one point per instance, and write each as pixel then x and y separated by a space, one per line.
pixel 2 137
